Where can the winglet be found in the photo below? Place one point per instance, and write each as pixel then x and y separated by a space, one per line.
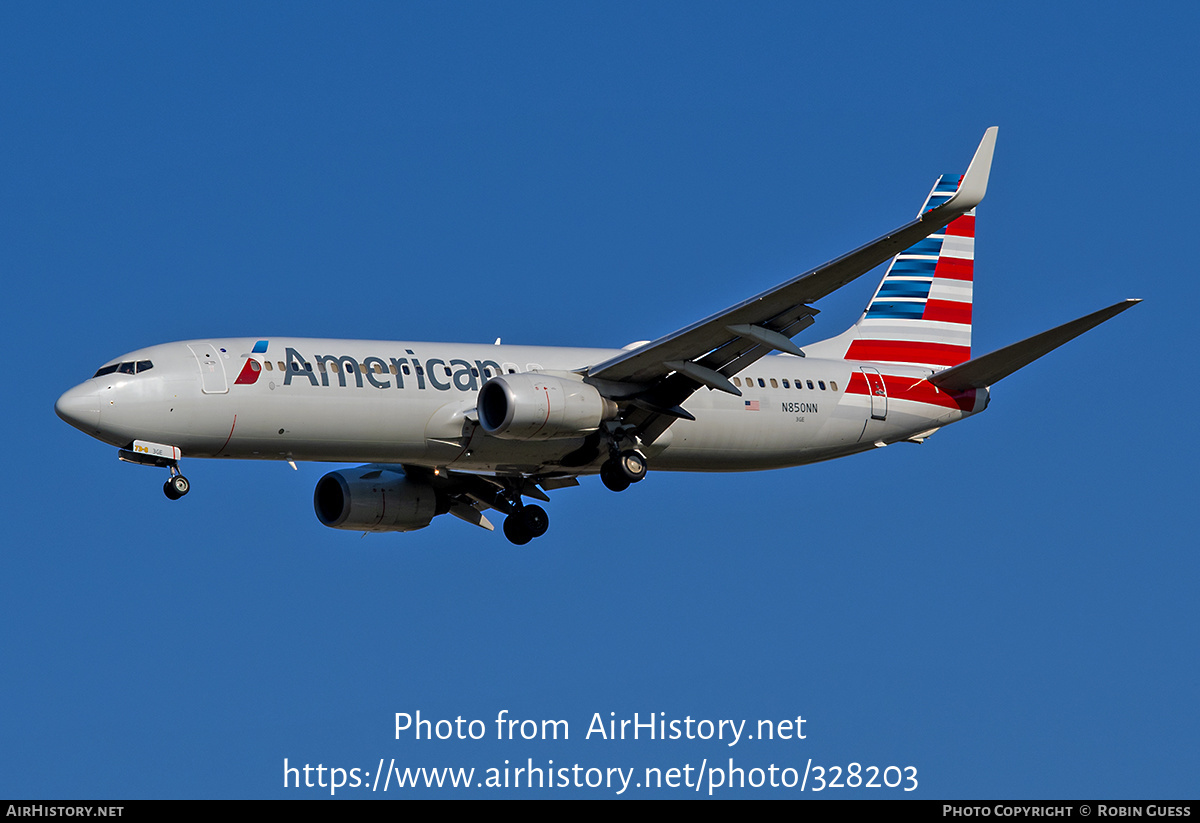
pixel 974 183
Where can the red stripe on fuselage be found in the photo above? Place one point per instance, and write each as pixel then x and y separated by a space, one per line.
pixel 230 437
pixel 915 390
pixel 908 351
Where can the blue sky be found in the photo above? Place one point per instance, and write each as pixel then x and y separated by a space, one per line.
pixel 1010 607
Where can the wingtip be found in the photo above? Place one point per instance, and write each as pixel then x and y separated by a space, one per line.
pixel 974 183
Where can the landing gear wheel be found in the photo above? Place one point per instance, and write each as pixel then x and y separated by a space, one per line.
pixel 516 531
pixel 613 477
pixel 176 487
pixel 633 466
pixel 535 520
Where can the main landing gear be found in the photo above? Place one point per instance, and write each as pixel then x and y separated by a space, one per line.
pixel 622 469
pixel 526 523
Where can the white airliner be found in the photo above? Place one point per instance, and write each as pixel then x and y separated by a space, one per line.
pixel 463 428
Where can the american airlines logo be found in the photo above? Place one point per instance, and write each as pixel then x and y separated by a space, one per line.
pixel 436 373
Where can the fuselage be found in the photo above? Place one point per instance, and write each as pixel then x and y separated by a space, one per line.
pixel 414 403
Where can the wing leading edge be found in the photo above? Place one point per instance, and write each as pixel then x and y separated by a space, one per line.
pixel 659 376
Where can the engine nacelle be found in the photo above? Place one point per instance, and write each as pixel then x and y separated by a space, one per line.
pixel 530 406
pixel 373 499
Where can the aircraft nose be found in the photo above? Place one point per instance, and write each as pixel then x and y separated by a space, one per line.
pixel 80 407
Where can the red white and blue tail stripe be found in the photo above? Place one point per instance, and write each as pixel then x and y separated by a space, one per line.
pixel 921 313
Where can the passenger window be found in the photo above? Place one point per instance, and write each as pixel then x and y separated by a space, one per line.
pixel 833 385
pixel 267 363
pixel 737 381
pixel 810 385
pixel 281 366
pixel 125 368
pixel 785 383
pixel 308 366
pixel 405 367
pixel 821 383
pixel 362 369
pixel 762 384
pixel 420 370
pixel 378 368
pixel 392 368
pixel 321 366
pixel 774 383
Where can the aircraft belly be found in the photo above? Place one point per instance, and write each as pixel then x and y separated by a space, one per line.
pixel 369 425
pixel 764 438
pixel 489 454
pixel 781 432
pixel 308 425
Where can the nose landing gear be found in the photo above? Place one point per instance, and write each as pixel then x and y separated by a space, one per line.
pixel 161 456
pixel 177 485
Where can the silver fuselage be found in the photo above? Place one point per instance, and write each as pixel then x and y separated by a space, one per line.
pixel 412 403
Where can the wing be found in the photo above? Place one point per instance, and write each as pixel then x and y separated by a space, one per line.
pixel 656 378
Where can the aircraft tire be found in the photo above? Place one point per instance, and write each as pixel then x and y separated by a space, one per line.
pixel 633 466
pixel 515 530
pixel 613 477
pixel 180 484
pixel 169 491
pixel 535 520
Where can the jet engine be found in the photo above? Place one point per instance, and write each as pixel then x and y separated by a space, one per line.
pixel 374 499
pixel 531 406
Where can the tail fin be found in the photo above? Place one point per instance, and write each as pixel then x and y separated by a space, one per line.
pixel 921 313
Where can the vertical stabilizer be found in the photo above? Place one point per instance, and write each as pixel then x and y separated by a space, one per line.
pixel 921 313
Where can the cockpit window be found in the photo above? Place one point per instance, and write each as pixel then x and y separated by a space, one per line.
pixel 126 368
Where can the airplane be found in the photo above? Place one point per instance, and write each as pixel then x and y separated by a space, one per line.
pixel 461 429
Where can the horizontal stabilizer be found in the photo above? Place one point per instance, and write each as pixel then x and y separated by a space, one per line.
pixel 994 367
